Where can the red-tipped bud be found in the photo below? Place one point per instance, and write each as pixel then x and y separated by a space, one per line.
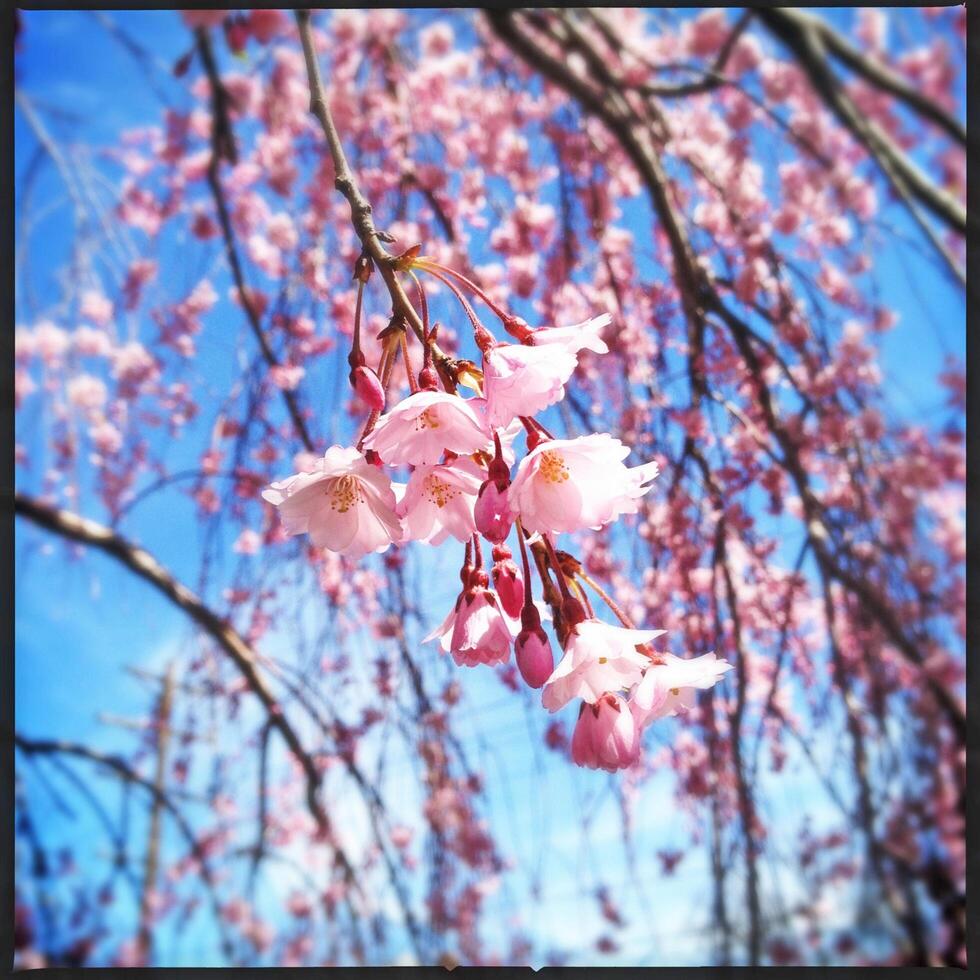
pixel 509 584
pixel 368 386
pixel 428 379
pixel 535 659
pixel 491 513
pixel 517 327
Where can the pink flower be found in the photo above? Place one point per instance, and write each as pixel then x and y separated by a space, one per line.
pixel 598 658
pixel 90 342
pixel 87 393
pixel 345 504
pixel 421 427
pixel 438 501
pixel 96 307
pixel 286 377
pixel 249 542
pixel 523 379
pixel 50 342
pixel 571 484
pixel 132 364
pixel 581 336
pixel 605 736
pixel 667 689
pixel 475 631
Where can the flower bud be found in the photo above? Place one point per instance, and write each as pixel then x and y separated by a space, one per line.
pixel 368 386
pixel 535 659
pixel 509 584
pixel 428 379
pixel 491 513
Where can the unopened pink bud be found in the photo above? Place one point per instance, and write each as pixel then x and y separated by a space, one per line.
pixel 535 659
pixel 509 584
pixel 491 513
pixel 368 386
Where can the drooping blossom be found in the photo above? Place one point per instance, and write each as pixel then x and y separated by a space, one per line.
pixel 668 689
pixel 423 426
pixel 345 504
pixel 572 484
pixel 606 735
pixel 438 501
pixel 476 631
pixel 598 658
pixel 523 379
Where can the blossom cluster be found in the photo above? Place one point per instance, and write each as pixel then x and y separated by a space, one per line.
pixel 466 482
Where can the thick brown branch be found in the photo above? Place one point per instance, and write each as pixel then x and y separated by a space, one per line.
pixel 881 76
pixel 808 47
pixel 362 215
pixel 143 564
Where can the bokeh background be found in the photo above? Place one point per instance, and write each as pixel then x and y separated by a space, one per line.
pixel 588 867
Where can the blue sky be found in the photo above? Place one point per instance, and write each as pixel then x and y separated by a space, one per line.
pixel 79 622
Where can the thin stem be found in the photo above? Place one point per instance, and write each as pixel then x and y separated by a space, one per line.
pixel 357 322
pixel 412 383
pixel 478 327
pixel 607 599
pixel 423 305
pixel 429 265
pixel 528 597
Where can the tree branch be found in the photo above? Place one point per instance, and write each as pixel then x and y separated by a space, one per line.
pixel 143 564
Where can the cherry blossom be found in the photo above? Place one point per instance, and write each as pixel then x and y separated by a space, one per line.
pixel 605 735
pixel 523 379
pixel 598 658
pixel 572 484
pixel 438 501
pixel 423 426
pixel 667 688
pixel 345 504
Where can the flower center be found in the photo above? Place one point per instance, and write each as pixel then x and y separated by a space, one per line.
pixel 427 420
pixel 553 467
pixel 344 493
pixel 437 491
